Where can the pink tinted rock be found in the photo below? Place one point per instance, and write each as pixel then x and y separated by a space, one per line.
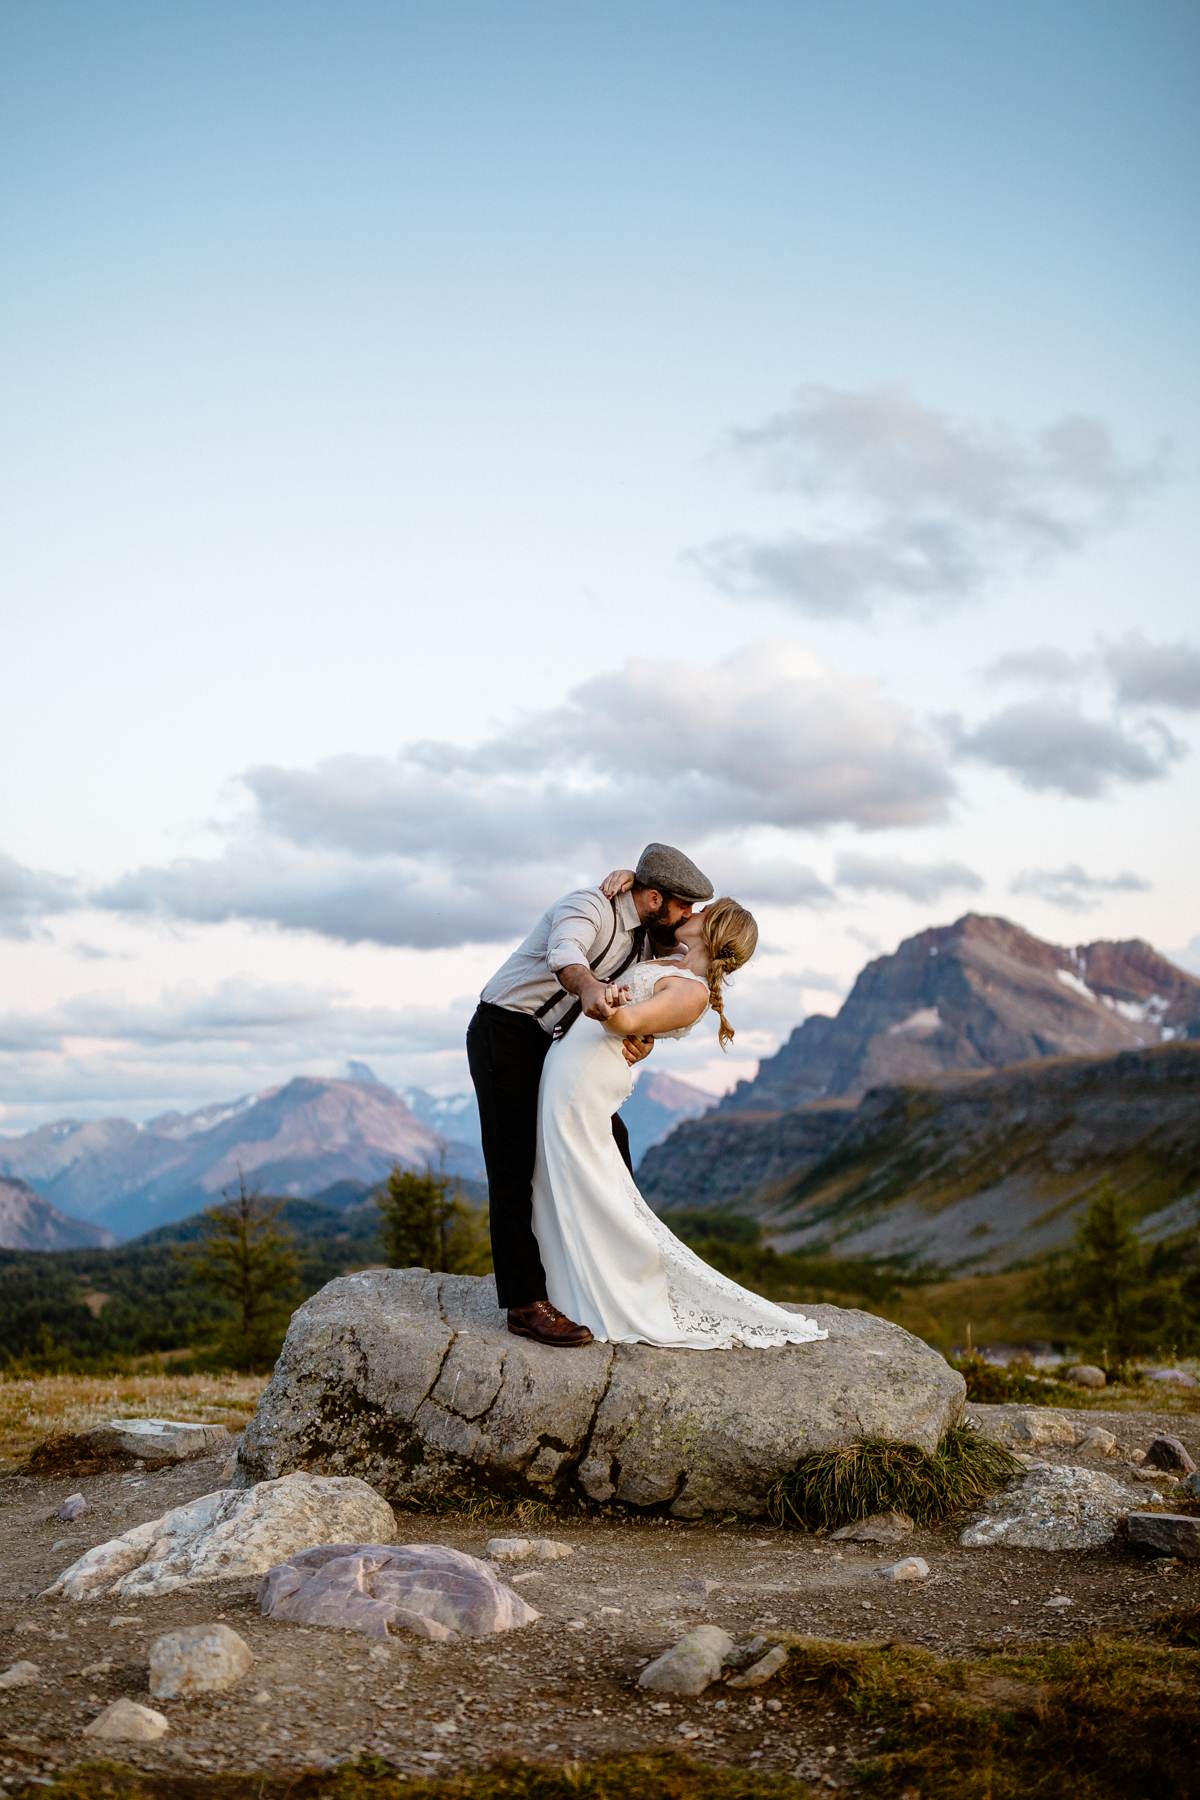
pixel 424 1589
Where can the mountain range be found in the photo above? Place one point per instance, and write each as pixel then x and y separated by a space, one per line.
pixel 963 1106
pixel 103 1179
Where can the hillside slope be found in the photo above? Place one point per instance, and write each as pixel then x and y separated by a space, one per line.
pixel 982 1173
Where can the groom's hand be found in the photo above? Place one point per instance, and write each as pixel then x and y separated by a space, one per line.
pixel 636 1049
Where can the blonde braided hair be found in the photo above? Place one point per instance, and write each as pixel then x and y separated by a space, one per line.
pixel 730 936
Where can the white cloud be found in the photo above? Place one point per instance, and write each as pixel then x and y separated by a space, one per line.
pixel 924 882
pixel 1146 674
pixel 899 500
pixel 1048 745
pixel 444 845
pixel 1074 889
pixel 28 896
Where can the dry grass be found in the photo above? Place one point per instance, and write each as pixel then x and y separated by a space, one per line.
pixel 34 1408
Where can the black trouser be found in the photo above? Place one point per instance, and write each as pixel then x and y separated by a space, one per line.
pixel 505 1051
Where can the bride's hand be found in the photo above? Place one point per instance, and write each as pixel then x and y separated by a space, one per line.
pixel 616 883
pixel 617 996
pixel 636 1049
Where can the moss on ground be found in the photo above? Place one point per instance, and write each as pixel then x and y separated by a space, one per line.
pixel 1098 1719
pixel 662 1777
pixel 835 1487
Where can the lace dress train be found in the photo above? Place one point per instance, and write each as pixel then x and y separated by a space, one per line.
pixel 610 1261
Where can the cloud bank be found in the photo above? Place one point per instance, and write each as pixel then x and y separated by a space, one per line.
pixel 899 501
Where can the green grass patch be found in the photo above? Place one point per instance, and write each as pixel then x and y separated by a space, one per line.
pixel 835 1487
pixel 1016 1381
pixel 658 1777
pixel 1098 1719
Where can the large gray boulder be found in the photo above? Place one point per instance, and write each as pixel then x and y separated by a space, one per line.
pixel 412 1382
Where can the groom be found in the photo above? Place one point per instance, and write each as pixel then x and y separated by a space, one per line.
pixel 567 965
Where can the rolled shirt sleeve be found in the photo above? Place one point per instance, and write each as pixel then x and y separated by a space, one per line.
pixel 574 927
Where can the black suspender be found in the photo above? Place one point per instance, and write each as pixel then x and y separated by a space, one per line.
pixel 554 999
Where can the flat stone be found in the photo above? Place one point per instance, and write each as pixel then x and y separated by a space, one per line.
pixel 128 1721
pixel 199 1659
pixel 1172 1377
pixel 909 1568
pixel 1166 1534
pixel 1166 1452
pixel 1087 1375
pixel 153 1441
pixel 698 1587
pixel 413 1381
pixel 878 1528
pixel 19 1674
pixel 231 1532
pixel 1052 1509
pixel 760 1671
pixel 425 1590
pixel 690 1665
pixel 1059 1600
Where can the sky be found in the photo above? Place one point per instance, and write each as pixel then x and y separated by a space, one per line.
pixel 445 447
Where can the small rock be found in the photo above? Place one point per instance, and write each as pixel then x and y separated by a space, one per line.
pixel 1097 1442
pixel 501 1549
pixel 127 1721
pixel 1087 1375
pixel 1021 1427
pixel 98 1668
pixel 1172 1377
pixel 1191 1485
pixel 688 1666
pixel 760 1671
pixel 1165 1534
pixel 1167 1452
pixel 698 1587
pixel 262 1698
pixel 879 1528
pixel 119 1619
pixel 1059 1600
pixel 19 1674
pixel 199 1659
pixel 72 1507
pixel 909 1568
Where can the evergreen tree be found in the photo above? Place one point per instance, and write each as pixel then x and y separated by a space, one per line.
pixel 426 1226
pixel 1106 1275
pixel 246 1263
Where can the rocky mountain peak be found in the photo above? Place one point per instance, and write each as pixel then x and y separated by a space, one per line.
pixel 974 996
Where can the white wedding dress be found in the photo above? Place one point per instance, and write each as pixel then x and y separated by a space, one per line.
pixel 610 1262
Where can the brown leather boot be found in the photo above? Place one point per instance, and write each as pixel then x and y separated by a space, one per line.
pixel 546 1325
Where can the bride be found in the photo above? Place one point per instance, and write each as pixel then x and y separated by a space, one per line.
pixel 610 1262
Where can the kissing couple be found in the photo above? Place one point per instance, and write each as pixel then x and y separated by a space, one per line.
pixel 604 973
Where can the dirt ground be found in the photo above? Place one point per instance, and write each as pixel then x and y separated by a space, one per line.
pixel 561 1688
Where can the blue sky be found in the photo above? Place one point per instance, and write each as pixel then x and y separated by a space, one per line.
pixel 444 446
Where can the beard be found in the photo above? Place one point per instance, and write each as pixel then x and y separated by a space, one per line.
pixel 660 933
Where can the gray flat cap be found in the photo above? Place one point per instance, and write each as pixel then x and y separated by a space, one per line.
pixel 663 867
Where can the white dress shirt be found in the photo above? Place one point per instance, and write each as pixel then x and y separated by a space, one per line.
pixel 574 930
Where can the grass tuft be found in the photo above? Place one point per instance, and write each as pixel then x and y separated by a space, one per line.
pixel 1179 1626
pixel 835 1487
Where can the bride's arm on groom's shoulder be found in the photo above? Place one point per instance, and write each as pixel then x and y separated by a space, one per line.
pixel 672 1005
pixel 616 883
